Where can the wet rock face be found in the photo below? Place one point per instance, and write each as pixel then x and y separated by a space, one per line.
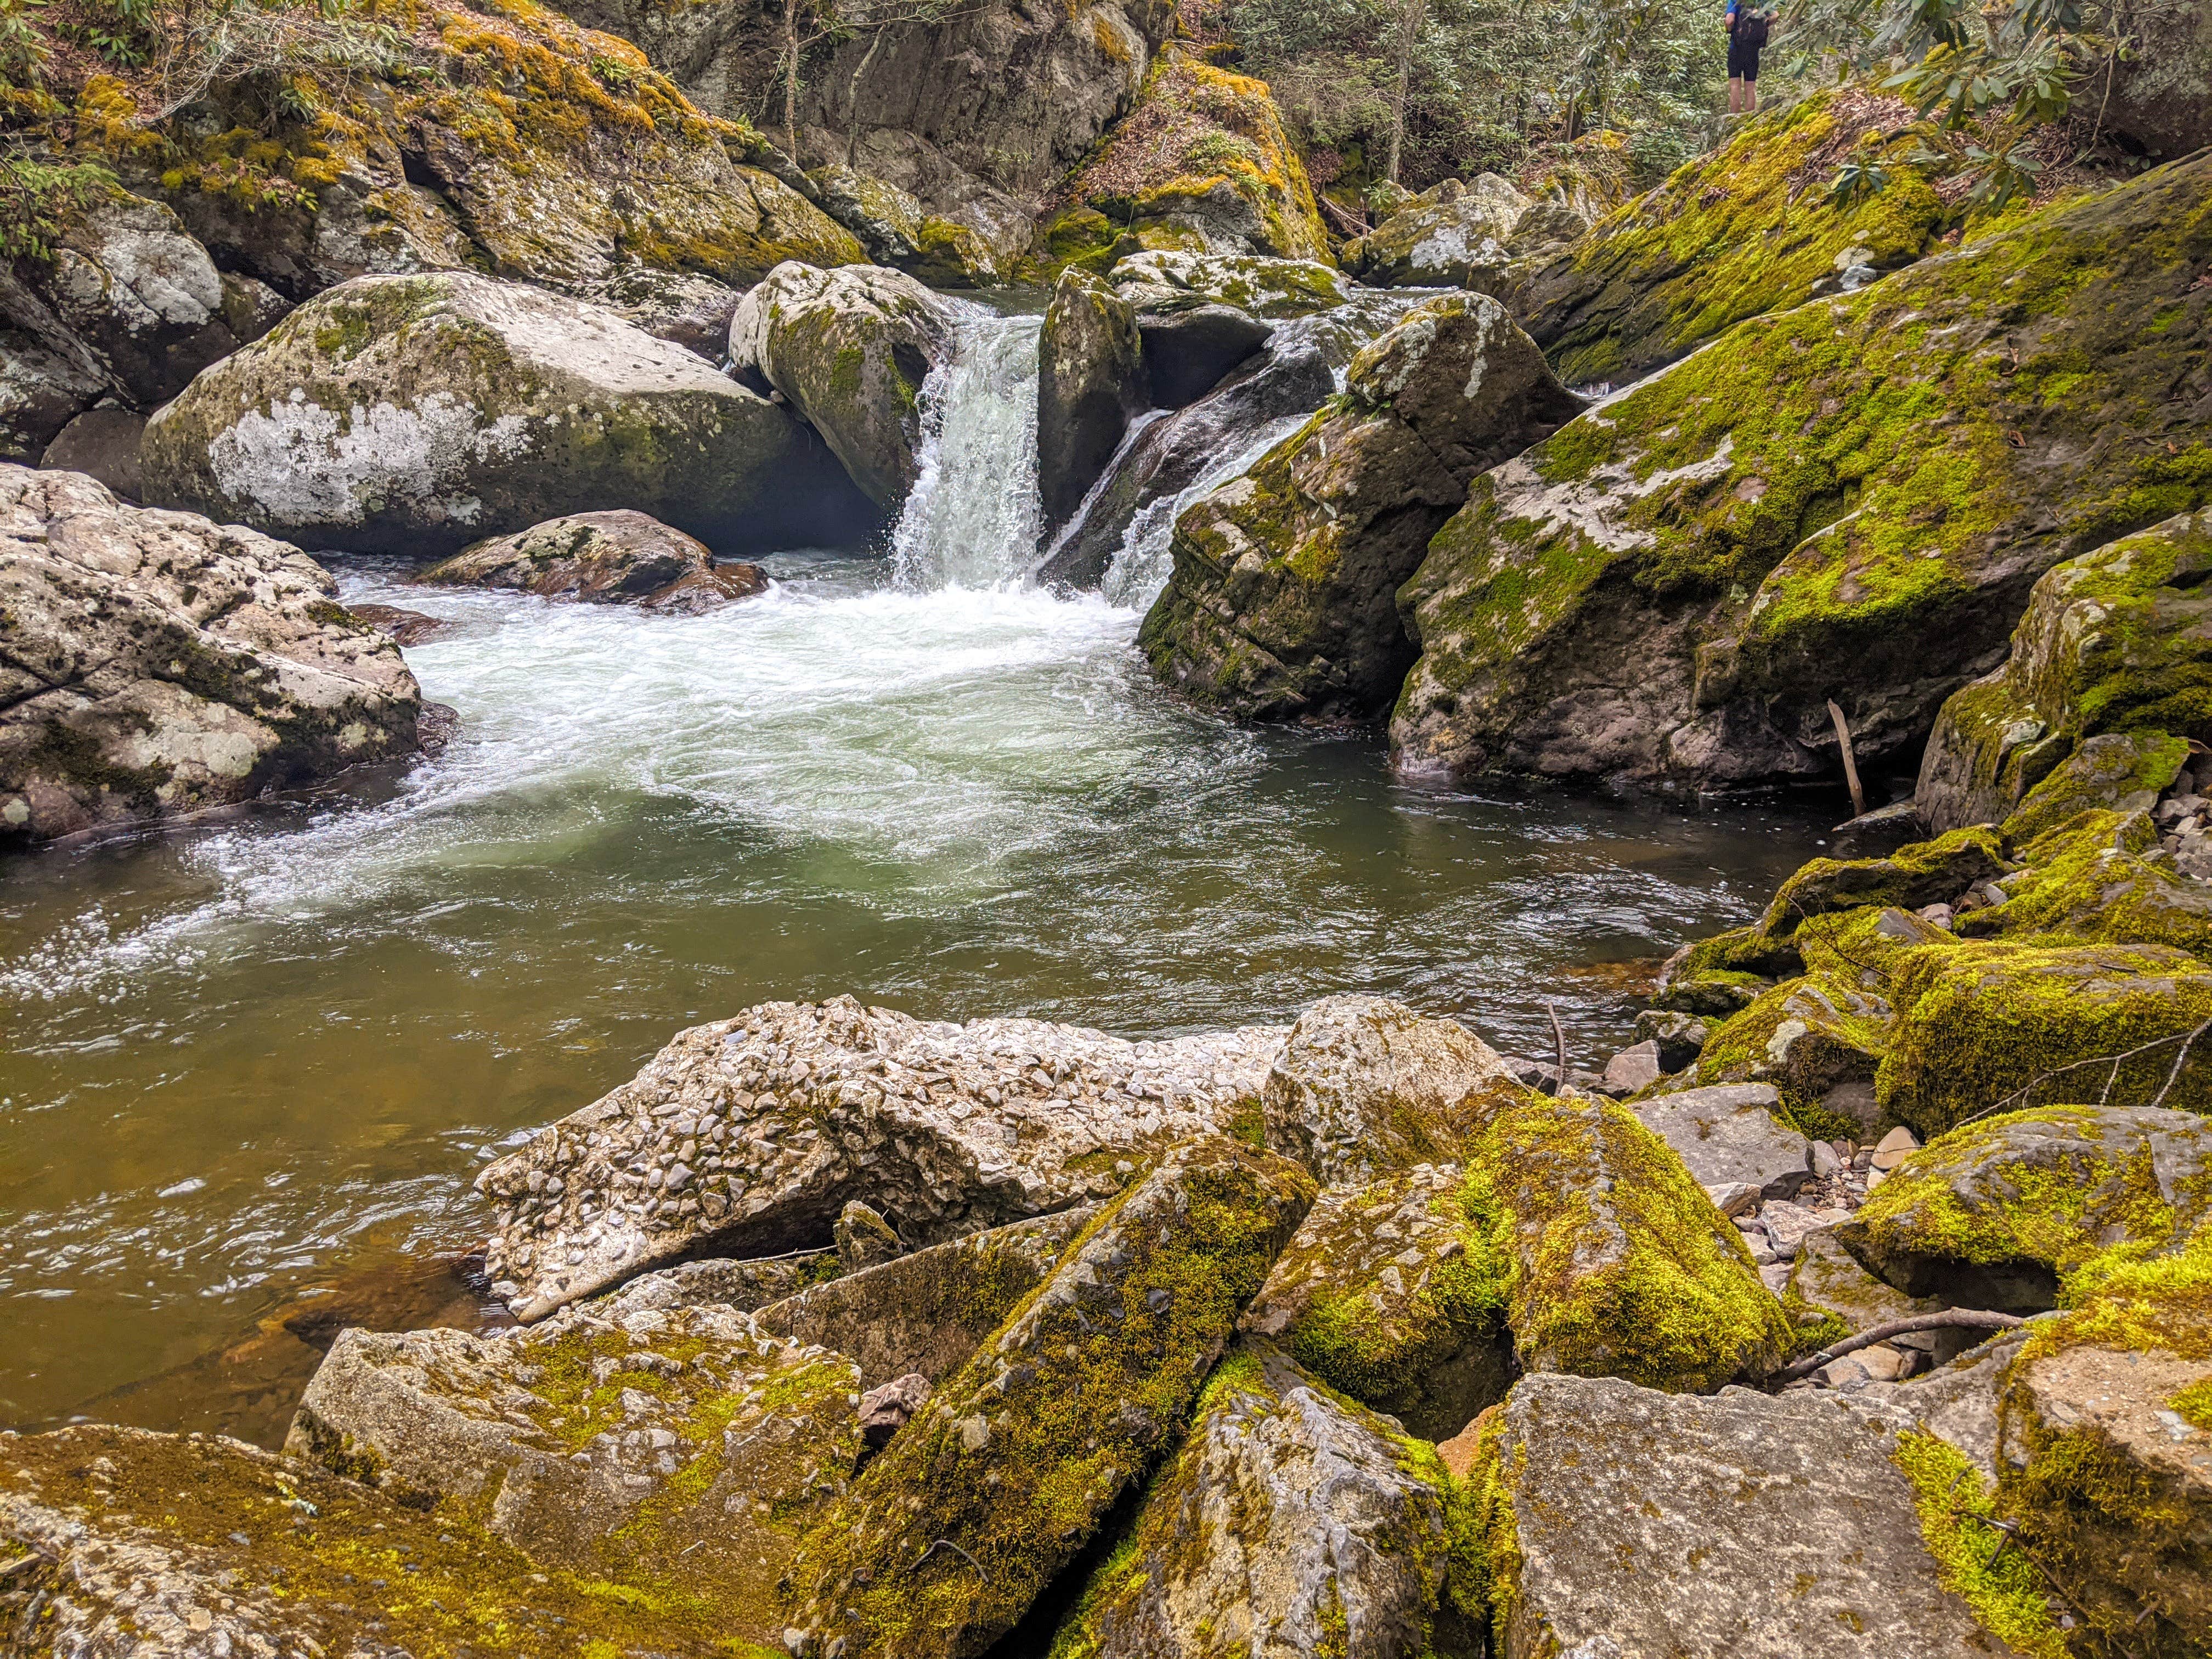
pixel 1292 1524
pixel 1090 383
pixel 850 348
pixel 1593 1484
pixel 1283 603
pixel 1698 526
pixel 750 1135
pixel 606 557
pixel 430 411
pixel 989 1492
pixel 628 1444
pixel 1453 236
pixel 1365 1086
pixel 156 664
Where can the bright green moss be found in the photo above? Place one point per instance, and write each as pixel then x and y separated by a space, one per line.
pixel 2134 1297
pixel 1484 1582
pixel 1958 1515
pixel 1925 872
pixel 2099 879
pixel 2129 771
pixel 1805 1036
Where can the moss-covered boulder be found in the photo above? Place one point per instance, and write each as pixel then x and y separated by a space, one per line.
pixel 674 1451
pixel 422 413
pixel 2107 1446
pixel 2119 640
pixel 1281 603
pixel 1743 231
pixel 1455 235
pixel 602 558
pixel 2007 1203
pixel 898 231
pixel 1623 1268
pixel 1819 1040
pixel 154 663
pixel 2099 878
pixel 1201 163
pixel 1365 1086
pixel 988 1493
pixel 176 1546
pixel 851 348
pixel 1395 1293
pixel 1849 501
pixel 1926 872
pixel 1090 384
pixel 1276 290
pixel 1991 1026
pixel 1612 1519
pixel 1293 1524
pixel 1828 1280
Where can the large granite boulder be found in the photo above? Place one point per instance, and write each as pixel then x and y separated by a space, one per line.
pixel 747 1137
pixel 1618 1520
pixel 679 307
pixel 1292 1524
pixel 1396 1292
pixel 2120 642
pixel 604 558
pixel 1364 1086
pixel 1161 281
pixel 2160 93
pixel 1730 1136
pixel 1676 584
pixel 851 348
pixel 990 1491
pixel 1283 602
pixel 1090 384
pixel 422 413
pixel 154 663
pixel 1455 235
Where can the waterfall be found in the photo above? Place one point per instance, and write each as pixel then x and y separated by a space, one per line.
pixel 1139 569
pixel 973 518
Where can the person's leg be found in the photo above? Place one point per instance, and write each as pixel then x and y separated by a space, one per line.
pixel 1736 94
pixel 1751 88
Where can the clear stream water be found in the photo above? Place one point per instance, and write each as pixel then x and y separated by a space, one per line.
pixel 248 1070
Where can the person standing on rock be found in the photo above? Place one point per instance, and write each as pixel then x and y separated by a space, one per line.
pixel 1748 28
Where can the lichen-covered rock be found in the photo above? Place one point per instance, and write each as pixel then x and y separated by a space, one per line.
pixel 190 1547
pixel 1292 1525
pixel 898 231
pixel 2045 1189
pixel 1818 1040
pixel 2161 94
pixel 426 412
pixel 606 557
pixel 1617 1520
pixel 2106 1451
pixel 749 1135
pixel 1168 280
pixel 1454 235
pixel 153 664
pixel 1396 1292
pixel 2117 640
pixel 1623 1268
pixel 48 379
pixel 1676 584
pixel 1200 164
pixel 1729 1136
pixel 926 1312
pixel 1282 602
pixel 640 1446
pixel 850 348
pixel 1991 1026
pixel 1827 1279
pixel 1365 1086
pixel 1090 382
pixel 1736 233
pixel 984 1498
pixel 740 1285
pixel 681 307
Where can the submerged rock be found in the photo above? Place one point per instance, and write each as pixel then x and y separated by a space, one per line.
pixel 1292 1524
pixel 426 412
pixel 1455 235
pixel 156 664
pixel 750 1135
pixel 606 557
pixel 850 348
pixel 1283 602
pixel 982 1499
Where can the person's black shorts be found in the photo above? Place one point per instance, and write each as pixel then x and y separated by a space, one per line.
pixel 1743 60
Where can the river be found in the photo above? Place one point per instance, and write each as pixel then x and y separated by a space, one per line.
pixel 247 1069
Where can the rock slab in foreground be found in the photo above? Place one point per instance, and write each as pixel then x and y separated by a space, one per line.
pixel 153 664
pixel 604 558
pixel 988 1493
pixel 1292 1524
pixel 1623 1521
pixel 429 411
pixel 748 1136
pixel 1729 1134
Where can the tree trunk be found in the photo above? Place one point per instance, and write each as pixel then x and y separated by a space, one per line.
pixel 791 80
pixel 1409 28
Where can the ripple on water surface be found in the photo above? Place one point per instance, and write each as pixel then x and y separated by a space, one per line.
pixel 244 1058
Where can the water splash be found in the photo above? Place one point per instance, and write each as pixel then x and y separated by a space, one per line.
pixel 1141 566
pixel 973 517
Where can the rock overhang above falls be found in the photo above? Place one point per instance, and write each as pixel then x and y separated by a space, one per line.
pixel 747 1137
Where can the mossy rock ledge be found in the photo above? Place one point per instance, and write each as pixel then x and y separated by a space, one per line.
pixel 154 663
pixel 1848 501
pixel 426 412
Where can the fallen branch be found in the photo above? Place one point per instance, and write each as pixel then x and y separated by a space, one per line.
pixel 1356 227
pixel 1850 759
pixel 1972 1319
pixel 947 1544
pixel 1559 1049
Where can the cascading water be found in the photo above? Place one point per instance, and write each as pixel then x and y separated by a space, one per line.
pixel 1141 567
pixel 973 518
